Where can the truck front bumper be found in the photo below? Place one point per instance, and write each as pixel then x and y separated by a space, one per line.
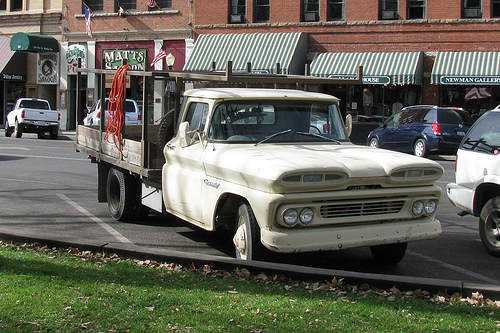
pixel 344 237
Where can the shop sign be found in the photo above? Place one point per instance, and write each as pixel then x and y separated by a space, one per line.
pixel 13 77
pixel 47 68
pixel 135 58
pixel 74 53
pixel 372 79
pixel 486 80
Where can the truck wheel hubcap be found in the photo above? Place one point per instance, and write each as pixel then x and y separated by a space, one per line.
pixel 239 238
pixel 492 228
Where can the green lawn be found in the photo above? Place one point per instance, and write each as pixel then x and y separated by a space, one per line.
pixel 49 290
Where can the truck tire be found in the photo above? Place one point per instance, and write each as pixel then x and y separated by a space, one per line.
pixel 54 134
pixel 388 254
pixel 246 238
pixel 166 129
pixel 121 196
pixel 489 226
pixel 18 130
pixel 8 130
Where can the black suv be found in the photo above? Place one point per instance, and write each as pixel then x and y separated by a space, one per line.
pixel 422 130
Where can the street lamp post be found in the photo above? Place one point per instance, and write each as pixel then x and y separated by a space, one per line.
pixel 170 60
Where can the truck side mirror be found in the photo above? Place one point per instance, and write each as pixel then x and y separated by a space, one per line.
pixel 348 125
pixel 183 134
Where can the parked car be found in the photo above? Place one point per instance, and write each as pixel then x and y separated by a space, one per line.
pixel 477 178
pixel 32 115
pixel 132 113
pixel 422 130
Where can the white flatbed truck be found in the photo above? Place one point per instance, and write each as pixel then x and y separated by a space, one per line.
pixel 273 166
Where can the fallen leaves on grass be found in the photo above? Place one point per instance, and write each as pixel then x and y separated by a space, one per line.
pixel 335 285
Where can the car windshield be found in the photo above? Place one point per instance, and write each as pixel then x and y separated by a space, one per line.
pixel 484 136
pixel 276 121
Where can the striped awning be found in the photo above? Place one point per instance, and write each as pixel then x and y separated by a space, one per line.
pixel 262 50
pixel 466 68
pixel 395 68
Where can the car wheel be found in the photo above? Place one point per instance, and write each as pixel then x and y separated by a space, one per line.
pixel 489 226
pixel 8 130
pixel 420 148
pixel 388 254
pixel 18 130
pixel 247 235
pixel 374 143
pixel 120 193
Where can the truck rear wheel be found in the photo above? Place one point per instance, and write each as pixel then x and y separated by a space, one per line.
pixel 389 254
pixel 120 192
pixel 247 235
pixel 8 130
pixel 489 226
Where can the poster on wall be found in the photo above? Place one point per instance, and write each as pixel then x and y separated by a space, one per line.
pixel 73 53
pixel 47 68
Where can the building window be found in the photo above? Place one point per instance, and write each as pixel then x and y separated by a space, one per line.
pixel 238 10
pixel 389 9
pixel 261 11
pixel 310 10
pixel 162 5
pixel 94 5
pixel 495 8
pixel 416 9
pixel 3 5
pixel 16 5
pixel 336 10
pixel 130 5
pixel 472 9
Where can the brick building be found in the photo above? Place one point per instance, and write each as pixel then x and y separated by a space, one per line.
pixel 413 51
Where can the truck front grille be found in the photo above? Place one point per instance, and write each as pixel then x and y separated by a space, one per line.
pixel 349 209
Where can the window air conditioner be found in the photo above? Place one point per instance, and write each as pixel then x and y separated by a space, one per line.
pixel 310 17
pixel 472 13
pixel 237 18
pixel 389 15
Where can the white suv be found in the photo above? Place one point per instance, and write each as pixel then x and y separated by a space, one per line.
pixel 477 178
pixel 132 113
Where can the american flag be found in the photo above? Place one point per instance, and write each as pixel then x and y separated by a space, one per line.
pixel 151 3
pixel 88 28
pixel 159 56
pixel 477 93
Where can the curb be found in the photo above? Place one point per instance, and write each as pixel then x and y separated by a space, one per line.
pixel 382 281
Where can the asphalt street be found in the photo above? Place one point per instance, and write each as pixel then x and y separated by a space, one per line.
pixel 48 194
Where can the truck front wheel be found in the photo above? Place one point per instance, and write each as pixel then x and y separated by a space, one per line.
pixel 489 226
pixel 120 191
pixel 247 235
pixel 388 254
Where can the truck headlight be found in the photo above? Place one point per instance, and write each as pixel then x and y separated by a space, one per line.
pixel 430 207
pixel 306 215
pixel 417 208
pixel 290 216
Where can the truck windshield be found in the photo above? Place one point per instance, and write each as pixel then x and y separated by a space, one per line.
pixel 278 121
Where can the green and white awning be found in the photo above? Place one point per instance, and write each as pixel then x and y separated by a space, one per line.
pixel 466 68
pixel 395 68
pixel 262 50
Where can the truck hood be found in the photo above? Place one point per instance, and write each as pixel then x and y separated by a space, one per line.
pixel 279 167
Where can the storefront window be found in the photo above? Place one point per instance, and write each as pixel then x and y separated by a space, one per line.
pixel 336 10
pixel 126 4
pixel 261 13
pixel 94 5
pixel 310 10
pixel 472 9
pixel 238 11
pixel 161 5
pixel 495 8
pixel 416 9
pixel 476 100
pixel 388 9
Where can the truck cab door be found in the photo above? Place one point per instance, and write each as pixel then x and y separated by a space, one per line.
pixel 184 172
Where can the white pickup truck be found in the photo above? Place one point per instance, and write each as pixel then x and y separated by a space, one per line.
pixel 274 167
pixel 32 115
